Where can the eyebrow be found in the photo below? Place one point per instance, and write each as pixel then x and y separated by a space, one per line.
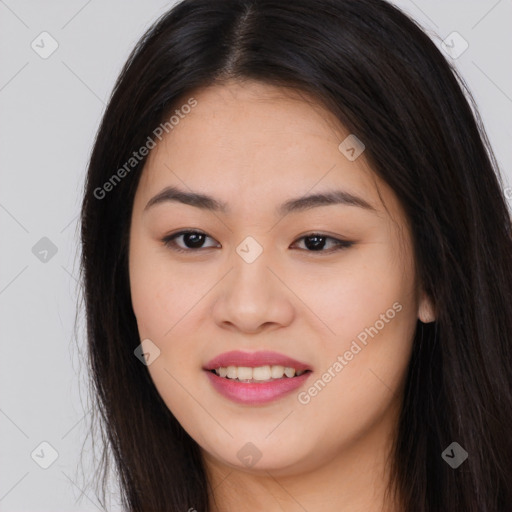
pixel 206 202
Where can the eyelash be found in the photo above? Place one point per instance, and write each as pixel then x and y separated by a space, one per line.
pixel 169 241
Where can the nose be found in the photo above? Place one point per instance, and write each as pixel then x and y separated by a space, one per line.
pixel 253 297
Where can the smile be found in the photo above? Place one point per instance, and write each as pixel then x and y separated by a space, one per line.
pixel 255 378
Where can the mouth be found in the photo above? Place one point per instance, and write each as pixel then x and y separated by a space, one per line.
pixel 254 378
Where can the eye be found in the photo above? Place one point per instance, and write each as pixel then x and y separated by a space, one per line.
pixel 316 242
pixel 191 239
pixel 194 240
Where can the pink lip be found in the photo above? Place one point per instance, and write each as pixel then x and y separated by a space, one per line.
pixel 254 393
pixel 254 359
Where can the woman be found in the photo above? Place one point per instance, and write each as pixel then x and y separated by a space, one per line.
pixel 297 268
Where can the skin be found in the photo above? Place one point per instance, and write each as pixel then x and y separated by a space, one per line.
pixel 254 146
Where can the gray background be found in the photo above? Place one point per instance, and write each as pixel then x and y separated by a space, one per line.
pixel 50 110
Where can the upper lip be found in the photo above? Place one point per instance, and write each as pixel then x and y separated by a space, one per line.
pixel 254 359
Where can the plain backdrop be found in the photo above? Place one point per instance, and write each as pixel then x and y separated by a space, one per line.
pixel 50 109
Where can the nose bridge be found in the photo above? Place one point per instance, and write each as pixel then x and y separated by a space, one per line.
pixel 251 295
pixel 250 274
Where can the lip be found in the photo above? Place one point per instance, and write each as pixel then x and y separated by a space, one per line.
pixel 254 359
pixel 255 393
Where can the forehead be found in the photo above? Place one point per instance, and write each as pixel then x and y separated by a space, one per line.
pixel 251 117
pixel 254 142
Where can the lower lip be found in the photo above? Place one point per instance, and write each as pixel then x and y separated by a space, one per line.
pixel 255 393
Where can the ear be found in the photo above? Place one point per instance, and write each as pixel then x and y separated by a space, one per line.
pixel 426 310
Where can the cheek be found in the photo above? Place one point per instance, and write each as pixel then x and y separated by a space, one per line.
pixel 368 315
pixel 161 291
pixel 353 294
pixel 163 299
pixel 371 311
pixel 151 294
pixel 361 372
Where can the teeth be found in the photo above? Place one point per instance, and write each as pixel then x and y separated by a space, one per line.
pixel 289 372
pixel 277 372
pixel 260 373
pixel 244 373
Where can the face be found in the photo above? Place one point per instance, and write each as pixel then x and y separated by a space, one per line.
pixel 328 288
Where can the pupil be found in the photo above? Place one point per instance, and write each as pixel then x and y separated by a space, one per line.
pixel 316 245
pixel 195 242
